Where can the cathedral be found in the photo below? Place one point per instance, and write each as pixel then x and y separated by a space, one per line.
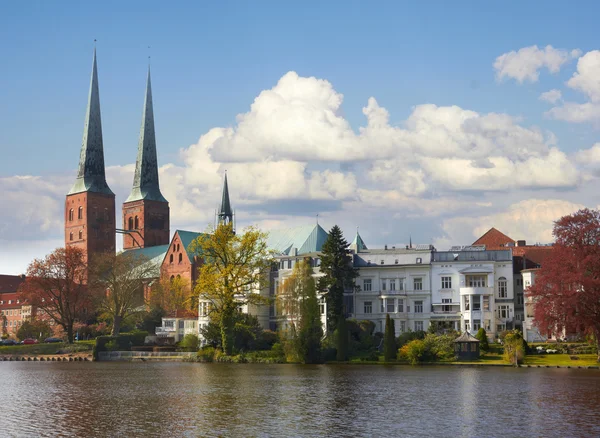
pixel 90 212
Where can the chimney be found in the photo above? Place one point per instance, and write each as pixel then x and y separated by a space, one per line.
pixel 385 247
pixel 521 243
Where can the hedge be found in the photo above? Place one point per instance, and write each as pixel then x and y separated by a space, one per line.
pixel 124 341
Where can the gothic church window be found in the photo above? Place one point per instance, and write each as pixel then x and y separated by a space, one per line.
pixel 137 223
pixel 81 234
pixel 180 258
pixel 131 223
pixel 80 213
pixel 70 215
pixel 171 258
pixel 71 234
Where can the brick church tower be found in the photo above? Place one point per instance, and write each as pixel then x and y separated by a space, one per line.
pixel 90 204
pixel 146 211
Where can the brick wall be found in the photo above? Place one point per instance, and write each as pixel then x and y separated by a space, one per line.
pixel 150 219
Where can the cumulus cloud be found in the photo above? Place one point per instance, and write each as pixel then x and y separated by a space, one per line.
pixel 530 219
pixel 551 96
pixel 526 63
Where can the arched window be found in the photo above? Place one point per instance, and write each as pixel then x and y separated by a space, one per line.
pixel 137 223
pixel 178 276
pixel 80 213
pixel 81 234
pixel 71 235
pixel 130 223
pixel 106 216
pixel 177 247
pixel 70 215
pixel 502 287
pixel 180 257
pixel 171 258
pixel 172 277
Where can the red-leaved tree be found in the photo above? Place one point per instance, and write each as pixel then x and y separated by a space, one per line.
pixel 566 292
pixel 56 285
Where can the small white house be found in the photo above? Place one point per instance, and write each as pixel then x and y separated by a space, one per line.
pixel 177 325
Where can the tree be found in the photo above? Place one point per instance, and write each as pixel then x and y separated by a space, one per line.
pixel 566 293
pixel 189 342
pixel 339 275
pixel 56 285
pixel 118 280
pixel 297 300
pixel 235 267
pixel 483 340
pixel 389 340
pixel 514 347
pixel 172 294
pixel 341 337
pixel 39 330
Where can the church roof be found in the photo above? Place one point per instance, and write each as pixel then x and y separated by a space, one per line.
pixel 186 238
pixel 358 243
pixel 154 255
pixel 306 239
pixel 225 209
pixel 91 174
pixel 145 179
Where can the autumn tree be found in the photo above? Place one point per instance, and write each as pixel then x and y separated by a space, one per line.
pixel 172 294
pixel 56 285
pixel 118 281
pixel 235 267
pixel 566 293
pixel 297 301
pixel 339 275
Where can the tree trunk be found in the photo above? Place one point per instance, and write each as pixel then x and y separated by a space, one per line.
pixel 70 333
pixel 597 336
pixel 227 331
pixel 116 328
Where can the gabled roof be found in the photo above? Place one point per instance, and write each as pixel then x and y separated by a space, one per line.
pixel 466 337
pixel 91 175
pixel 155 256
pixel 145 178
pixel 306 239
pixel 10 283
pixel 494 239
pixel 186 238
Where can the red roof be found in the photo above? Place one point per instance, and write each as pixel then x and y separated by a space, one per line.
pixel 10 283
pixel 183 313
pixel 494 239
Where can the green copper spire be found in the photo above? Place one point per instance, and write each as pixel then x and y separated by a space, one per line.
pixel 225 212
pixel 358 244
pixel 145 179
pixel 91 176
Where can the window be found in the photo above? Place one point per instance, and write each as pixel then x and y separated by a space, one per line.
pixel 171 258
pixel 486 303
pixel 392 284
pixel 467 303
pixel 71 235
pixel 383 284
pixel 487 325
pixel 390 305
pixel 10 302
pixel 519 282
pixel 136 223
pixel 382 302
pixel 80 213
pixel 289 264
pixel 367 285
pixel 476 303
pixel 520 299
pixel 446 300
pixel 476 324
pixel 70 215
pixel 503 311
pixel 418 284
pixel 180 257
pixel 382 262
pixel 477 280
pixel 401 284
pixel 106 217
pixel 80 234
pixel 502 287
pixel 130 223
pixel 368 307
pixel 467 326
pixel 519 317
pixel 419 261
pixel 402 326
pixel 400 306
pixel 322 306
pixel 418 306
pixel 418 326
pixel 178 247
pixel 204 309
pixel 446 282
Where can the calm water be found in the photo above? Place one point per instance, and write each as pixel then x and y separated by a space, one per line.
pixel 180 399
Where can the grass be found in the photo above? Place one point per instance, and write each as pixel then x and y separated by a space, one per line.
pixel 46 348
pixel 585 360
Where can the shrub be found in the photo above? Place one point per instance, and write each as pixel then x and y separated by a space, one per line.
pixel 438 347
pixel 483 340
pixel 111 345
pixel 412 352
pixel 514 348
pixel 189 343
pixel 39 330
pixel 206 354
pixel 408 336
pixel 342 340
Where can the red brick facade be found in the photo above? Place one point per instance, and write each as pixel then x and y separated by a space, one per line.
pixel 12 310
pixel 177 262
pixel 150 220
pixel 90 222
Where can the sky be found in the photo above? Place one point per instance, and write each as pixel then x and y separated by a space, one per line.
pixel 430 121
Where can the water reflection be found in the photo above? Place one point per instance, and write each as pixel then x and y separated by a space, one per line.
pixel 179 399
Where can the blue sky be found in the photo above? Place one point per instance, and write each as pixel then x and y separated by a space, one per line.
pixel 210 61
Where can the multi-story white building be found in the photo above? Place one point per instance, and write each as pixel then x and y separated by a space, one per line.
pixel 392 281
pixel 476 282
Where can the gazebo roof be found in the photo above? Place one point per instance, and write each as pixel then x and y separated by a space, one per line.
pixel 466 337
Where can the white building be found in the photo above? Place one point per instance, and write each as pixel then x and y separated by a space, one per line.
pixel 177 325
pixel 476 282
pixel 530 332
pixel 392 281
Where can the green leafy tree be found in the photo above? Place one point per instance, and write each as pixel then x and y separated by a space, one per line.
pixel 514 347
pixel 389 340
pixel 234 268
pixel 483 340
pixel 189 343
pixel 341 338
pixel 339 275
pixel 36 329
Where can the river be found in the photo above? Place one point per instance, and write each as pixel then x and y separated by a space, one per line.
pixel 187 399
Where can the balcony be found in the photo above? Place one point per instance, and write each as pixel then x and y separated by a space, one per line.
pixel 165 331
pixel 476 290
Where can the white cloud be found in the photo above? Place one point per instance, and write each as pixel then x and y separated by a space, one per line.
pixel 526 63
pixel 576 112
pixel 551 96
pixel 530 219
pixel 587 77
pixel 589 156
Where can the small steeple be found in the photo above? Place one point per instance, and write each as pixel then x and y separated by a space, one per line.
pixel 91 175
pixel 145 179
pixel 358 244
pixel 225 213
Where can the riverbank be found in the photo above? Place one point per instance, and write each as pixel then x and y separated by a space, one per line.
pixel 79 351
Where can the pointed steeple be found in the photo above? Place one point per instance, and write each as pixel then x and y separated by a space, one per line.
pixel 358 244
pixel 225 213
pixel 145 179
pixel 91 175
